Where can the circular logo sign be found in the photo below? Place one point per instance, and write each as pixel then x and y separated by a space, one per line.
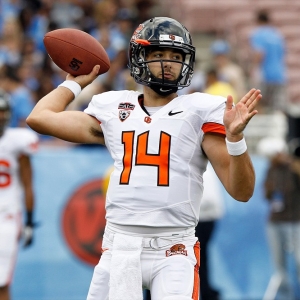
pixel 83 221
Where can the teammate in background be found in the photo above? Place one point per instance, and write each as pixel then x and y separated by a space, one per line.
pixel 21 99
pixel 268 64
pixel 160 143
pixel 16 146
pixel 282 191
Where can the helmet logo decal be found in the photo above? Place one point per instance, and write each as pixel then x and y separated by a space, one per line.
pixel 125 110
pixel 136 34
pixel 170 37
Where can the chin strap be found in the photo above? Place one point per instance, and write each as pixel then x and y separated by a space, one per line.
pixel 163 87
pixel 163 90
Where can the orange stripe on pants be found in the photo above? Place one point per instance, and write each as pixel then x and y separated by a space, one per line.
pixel 196 290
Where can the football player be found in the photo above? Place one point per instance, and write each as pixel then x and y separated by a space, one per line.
pixel 160 143
pixel 16 146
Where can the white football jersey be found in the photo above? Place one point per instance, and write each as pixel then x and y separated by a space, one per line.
pixel 13 143
pixel 159 163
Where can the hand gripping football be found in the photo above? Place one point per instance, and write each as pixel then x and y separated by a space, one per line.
pixel 75 51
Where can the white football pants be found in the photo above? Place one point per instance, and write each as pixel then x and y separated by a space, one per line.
pixel 169 265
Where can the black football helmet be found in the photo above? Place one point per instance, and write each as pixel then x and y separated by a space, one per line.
pixel 4 110
pixel 161 32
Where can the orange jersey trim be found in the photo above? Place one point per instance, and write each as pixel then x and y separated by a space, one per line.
pixel 196 290
pixel 213 127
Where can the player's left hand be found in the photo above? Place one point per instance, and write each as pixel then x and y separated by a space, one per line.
pixel 237 117
pixel 27 235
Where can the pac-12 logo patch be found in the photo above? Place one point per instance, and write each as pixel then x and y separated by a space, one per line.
pixel 125 108
pixel 123 115
pixel 83 221
pixel 176 250
pixel 126 105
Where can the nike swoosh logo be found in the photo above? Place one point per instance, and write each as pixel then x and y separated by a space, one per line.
pixel 162 90
pixel 174 113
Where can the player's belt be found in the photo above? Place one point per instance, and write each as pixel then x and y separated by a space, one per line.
pixel 158 242
pixel 162 242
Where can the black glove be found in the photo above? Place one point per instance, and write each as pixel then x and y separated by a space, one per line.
pixel 27 234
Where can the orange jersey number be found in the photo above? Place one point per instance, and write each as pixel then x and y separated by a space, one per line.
pixel 5 178
pixel 160 160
